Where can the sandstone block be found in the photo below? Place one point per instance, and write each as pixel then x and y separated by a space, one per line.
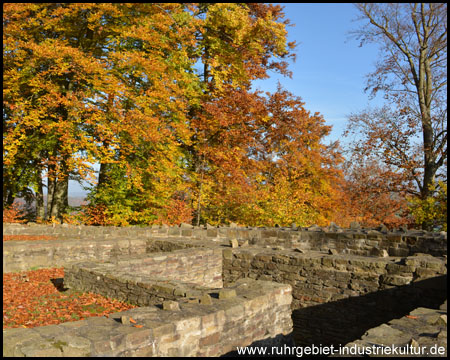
pixel 164 289
pixel 171 305
pixel 211 232
pixel 234 243
pixel 441 320
pixel 179 292
pixel 396 280
pixel 42 349
pixel 413 343
pixel 379 252
pixel 210 339
pixel 227 254
pixel 227 293
pixel 206 299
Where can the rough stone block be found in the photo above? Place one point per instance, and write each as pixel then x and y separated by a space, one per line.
pixel 211 233
pixel 206 299
pixel 210 340
pixel 396 280
pixel 227 293
pixel 171 305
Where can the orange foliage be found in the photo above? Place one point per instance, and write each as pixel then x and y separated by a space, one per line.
pixel 264 162
pixel 119 85
pixel 30 299
pixel 95 215
pixel 175 212
pixel 372 195
pixel 28 237
pixel 13 214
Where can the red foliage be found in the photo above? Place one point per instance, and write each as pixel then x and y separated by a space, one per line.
pixel 13 214
pixel 28 237
pixel 373 195
pixel 95 215
pixel 175 212
pixel 30 299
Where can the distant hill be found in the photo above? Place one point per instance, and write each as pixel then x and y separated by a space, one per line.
pixel 73 201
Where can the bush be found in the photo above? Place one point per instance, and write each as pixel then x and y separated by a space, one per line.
pixel 13 214
pixel 431 212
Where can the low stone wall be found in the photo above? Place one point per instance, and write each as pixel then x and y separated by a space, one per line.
pixel 338 297
pixel 151 278
pixel 423 332
pixel 25 255
pixel 351 241
pixel 341 283
pixel 260 312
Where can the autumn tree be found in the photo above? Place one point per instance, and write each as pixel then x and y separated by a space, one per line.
pixel 409 136
pixel 236 43
pixel 266 163
pixel 373 194
pixel 159 96
pixel 88 83
pixel 301 170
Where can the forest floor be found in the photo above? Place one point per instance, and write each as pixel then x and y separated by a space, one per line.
pixel 36 298
pixel 28 237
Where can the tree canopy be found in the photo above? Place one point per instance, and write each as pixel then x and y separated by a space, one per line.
pixel 408 136
pixel 159 96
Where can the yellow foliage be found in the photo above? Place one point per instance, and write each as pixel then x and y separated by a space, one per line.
pixel 432 211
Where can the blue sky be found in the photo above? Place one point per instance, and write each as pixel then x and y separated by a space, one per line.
pixel 330 71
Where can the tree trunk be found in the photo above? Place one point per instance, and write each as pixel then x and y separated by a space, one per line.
pixel 54 210
pixel 199 199
pixel 40 209
pixel 51 183
pixel 66 194
pixel 60 197
pixel 102 175
pixel 10 199
pixel 103 172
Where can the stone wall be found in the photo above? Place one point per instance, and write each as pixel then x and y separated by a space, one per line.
pixel 260 312
pixel 25 255
pixel 341 283
pixel 351 241
pixel 338 297
pixel 149 279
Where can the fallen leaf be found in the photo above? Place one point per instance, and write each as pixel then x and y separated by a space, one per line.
pixel 47 305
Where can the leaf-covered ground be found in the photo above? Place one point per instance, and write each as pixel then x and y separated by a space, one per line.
pixel 32 298
pixel 28 237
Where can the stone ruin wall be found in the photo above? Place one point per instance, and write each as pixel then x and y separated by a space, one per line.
pixel 336 298
pixel 341 283
pixel 258 312
pixel 79 243
pixel 150 279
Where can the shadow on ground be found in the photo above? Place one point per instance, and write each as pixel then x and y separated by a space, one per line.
pixel 346 320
